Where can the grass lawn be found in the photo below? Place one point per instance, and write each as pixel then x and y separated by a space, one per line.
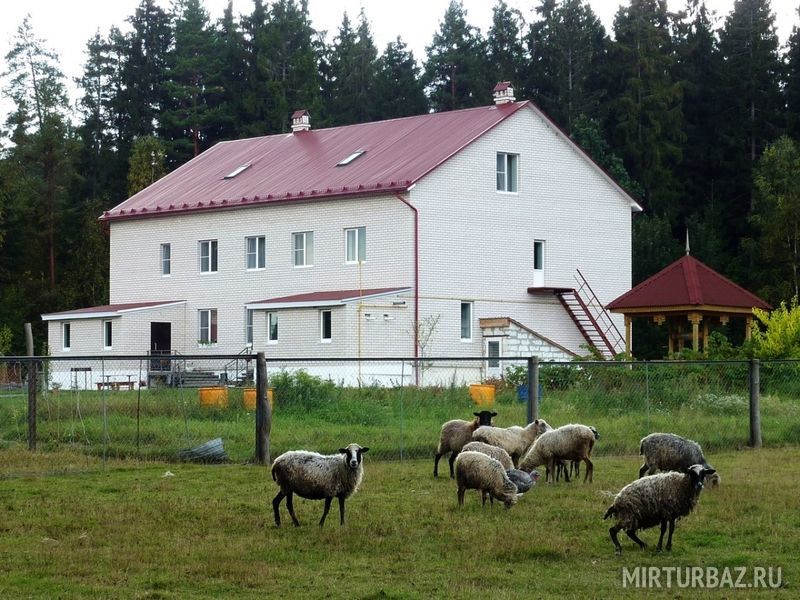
pixel 71 531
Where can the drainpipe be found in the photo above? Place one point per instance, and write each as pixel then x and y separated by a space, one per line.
pixel 416 275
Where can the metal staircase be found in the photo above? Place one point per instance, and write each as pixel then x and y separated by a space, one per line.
pixel 591 318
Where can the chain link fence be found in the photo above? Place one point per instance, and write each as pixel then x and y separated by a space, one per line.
pixel 157 407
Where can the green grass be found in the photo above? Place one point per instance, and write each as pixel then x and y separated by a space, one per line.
pixel 70 529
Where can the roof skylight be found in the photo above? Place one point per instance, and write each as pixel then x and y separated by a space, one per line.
pixel 236 171
pixel 350 158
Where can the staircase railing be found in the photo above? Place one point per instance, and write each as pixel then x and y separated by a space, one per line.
pixel 595 310
pixel 240 367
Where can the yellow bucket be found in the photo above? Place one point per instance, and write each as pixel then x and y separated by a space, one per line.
pixel 250 398
pixel 213 397
pixel 482 394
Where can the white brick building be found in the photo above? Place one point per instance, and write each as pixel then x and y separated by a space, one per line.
pixel 282 244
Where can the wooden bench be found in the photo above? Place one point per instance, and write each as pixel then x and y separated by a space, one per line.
pixel 114 385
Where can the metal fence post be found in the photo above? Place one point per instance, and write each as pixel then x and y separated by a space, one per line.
pixel 755 403
pixel 32 385
pixel 263 412
pixel 533 388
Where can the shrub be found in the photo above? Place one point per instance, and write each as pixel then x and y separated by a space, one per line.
pixel 300 389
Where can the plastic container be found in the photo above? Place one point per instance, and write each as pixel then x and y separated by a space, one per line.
pixel 249 399
pixel 213 397
pixel 482 394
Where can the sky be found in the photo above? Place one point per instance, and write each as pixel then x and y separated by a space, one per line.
pixel 67 26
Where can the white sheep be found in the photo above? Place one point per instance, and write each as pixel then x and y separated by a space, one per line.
pixel 455 434
pixel 515 440
pixel 569 442
pixel 493 451
pixel 669 452
pixel 656 499
pixel 476 471
pixel 316 477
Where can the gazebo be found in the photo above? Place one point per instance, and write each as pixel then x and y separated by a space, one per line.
pixel 687 292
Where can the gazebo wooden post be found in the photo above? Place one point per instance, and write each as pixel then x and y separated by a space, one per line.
pixel 748 327
pixel 628 335
pixel 705 335
pixel 694 319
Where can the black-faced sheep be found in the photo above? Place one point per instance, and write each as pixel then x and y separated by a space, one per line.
pixel 493 451
pixel 455 434
pixel 569 442
pixel 514 440
pixel 669 452
pixel 653 500
pixel 316 477
pixel 476 471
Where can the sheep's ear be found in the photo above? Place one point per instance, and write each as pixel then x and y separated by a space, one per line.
pixel 364 450
pixel 494 414
pixel 477 414
pixel 709 471
pixel 342 450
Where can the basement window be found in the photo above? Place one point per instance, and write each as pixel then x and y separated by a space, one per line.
pixel 236 171
pixel 350 158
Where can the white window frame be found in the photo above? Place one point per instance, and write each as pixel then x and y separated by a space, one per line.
pixel 306 252
pixel 507 173
pixel 212 335
pixel 108 334
pixel 272 319
pixel 66 337
pixel 469 306
pixel 322 338
pixel 359 245
pixel 538 263
pixel 211 256
pixel 248 327
pixel 258 253
pixel 166 260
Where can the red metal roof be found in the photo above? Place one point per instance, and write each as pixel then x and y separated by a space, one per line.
pixel 334 297
pixel 303 165
pixel 106 309
pixel 687 281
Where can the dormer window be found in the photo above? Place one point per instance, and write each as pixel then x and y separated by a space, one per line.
pixel 236 171
pixel 350 158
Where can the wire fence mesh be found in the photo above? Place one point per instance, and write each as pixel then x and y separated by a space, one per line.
pixel 156 407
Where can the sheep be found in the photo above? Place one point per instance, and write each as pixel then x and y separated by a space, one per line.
pixel 669 452
pixel 455 434
pixel 522 479
pixel 476 471
pixel 654 499
pixel 574 465
pixel 316 477
pixel 514 440
pixel 569 442
pixel 494 451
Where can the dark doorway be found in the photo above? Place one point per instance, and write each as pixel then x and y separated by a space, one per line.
pixel 160 344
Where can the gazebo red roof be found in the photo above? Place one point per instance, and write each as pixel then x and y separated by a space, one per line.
pixel 687 282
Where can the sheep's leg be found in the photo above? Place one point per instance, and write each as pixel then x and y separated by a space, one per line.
pixel 461 491
pixel 564 470
pixel 328 501
pixel 341 509
pixel 632 534
pixel 577 465
pixel 613 531
pixel 436 465
pixel 661 537
pixel 452 461
pixel 589 470
pixel 669 537
pixel 642 470
pixel 290 507
pixel 276 503
pixel 515 460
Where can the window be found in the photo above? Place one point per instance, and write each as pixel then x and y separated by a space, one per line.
pixel 208 256
pixel 507 172
pixel 272 327
pixel 325 325
pixel 538 255
pixel 166 259
pixel 355 245
pixel 66 342
pixel 248 327
pixel 346 161
pixel 466 321
pixel 303 248
pixel 256 249
pixel 107 339
pixel 207 326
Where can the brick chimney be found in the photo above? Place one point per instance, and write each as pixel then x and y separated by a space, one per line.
pixel 503 93
pixel 301 121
